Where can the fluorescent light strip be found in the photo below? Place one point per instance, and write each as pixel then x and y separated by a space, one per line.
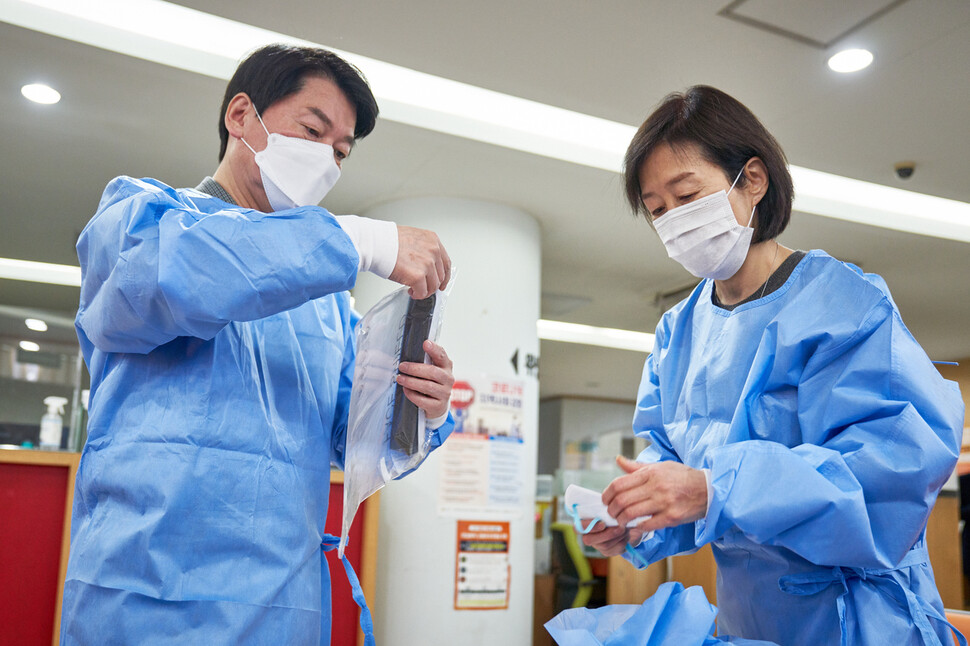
pixel 68 275
pixel 205 44
pixel 853 200
pixel 40 272
pixel 599 336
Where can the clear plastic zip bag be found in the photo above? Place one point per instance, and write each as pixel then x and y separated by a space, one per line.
pixel 387 435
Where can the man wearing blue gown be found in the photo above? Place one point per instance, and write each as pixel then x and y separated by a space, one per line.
pixel 218 331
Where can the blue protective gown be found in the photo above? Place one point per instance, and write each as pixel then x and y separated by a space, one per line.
pixel 828 433
pixel 220 344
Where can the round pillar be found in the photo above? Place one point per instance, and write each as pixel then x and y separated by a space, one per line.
pixel 491 315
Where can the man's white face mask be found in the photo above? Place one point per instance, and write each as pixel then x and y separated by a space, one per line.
pixel 705 237
pixel 295 172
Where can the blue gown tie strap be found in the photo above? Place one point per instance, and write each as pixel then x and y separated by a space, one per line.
pixel 366 622
pixel 809 583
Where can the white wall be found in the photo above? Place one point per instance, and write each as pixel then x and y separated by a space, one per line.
pixel 492 312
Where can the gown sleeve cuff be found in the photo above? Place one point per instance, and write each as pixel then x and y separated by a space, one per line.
pixel 435 423
pixel 710 487
pixel 375 241
pixel 441 433
pixel 714 523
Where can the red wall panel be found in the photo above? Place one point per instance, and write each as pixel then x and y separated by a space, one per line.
pixel 346 615
pixel 32 501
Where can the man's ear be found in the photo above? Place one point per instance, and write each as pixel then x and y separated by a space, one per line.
pixel 237 113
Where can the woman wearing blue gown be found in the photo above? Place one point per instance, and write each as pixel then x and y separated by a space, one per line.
pixel 795 424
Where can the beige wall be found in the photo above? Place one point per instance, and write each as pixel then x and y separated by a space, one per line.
pixel 943 534
pixel 961 375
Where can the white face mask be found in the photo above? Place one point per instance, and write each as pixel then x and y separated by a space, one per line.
pixel 705 237
pixel 295 172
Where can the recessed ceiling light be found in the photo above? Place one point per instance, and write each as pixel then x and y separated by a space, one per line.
pixel 36 325
pixel 29 346
pixel 850 60
pixel 39 93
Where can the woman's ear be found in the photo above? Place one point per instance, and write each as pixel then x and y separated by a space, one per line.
pixel 236 114
pixel 756 176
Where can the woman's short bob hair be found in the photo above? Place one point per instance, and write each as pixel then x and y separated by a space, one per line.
pixel 727 134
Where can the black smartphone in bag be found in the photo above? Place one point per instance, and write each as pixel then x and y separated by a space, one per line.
pixel 404 420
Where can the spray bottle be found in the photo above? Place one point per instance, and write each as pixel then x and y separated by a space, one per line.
pixel 52 424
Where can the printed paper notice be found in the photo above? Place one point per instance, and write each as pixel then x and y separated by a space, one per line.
pixel 481 462
pixel 482 570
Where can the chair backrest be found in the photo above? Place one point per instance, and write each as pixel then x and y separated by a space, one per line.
pixel 960 620
pixel 569 553
pixel 574 576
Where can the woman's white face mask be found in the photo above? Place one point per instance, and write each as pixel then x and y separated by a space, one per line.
pixel 295 172
pixel 705 237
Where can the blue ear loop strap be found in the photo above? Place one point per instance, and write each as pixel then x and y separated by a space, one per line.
pixel 573 511
pixel 578 522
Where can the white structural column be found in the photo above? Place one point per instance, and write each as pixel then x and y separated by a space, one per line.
pixel 491 314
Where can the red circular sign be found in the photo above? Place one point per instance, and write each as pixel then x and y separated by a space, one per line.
pixel 462 395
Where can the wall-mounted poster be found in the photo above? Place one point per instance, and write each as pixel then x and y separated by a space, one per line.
pixel 482 569
pixel 480 472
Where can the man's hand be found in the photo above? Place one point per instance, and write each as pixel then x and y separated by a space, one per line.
pixel 428 386
pixel 671 492
pixel 422 262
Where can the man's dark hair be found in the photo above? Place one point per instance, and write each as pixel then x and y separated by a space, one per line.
pixel 275 72
pixel 727 134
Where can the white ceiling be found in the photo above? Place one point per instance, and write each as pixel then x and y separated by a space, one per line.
pixel 614 60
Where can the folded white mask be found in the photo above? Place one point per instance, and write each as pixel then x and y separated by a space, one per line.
pixel 705 237
pixel 295 172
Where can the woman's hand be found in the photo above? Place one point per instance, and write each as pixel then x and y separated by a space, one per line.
pixel 670 492
pixel 610 541
pixel 428 386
